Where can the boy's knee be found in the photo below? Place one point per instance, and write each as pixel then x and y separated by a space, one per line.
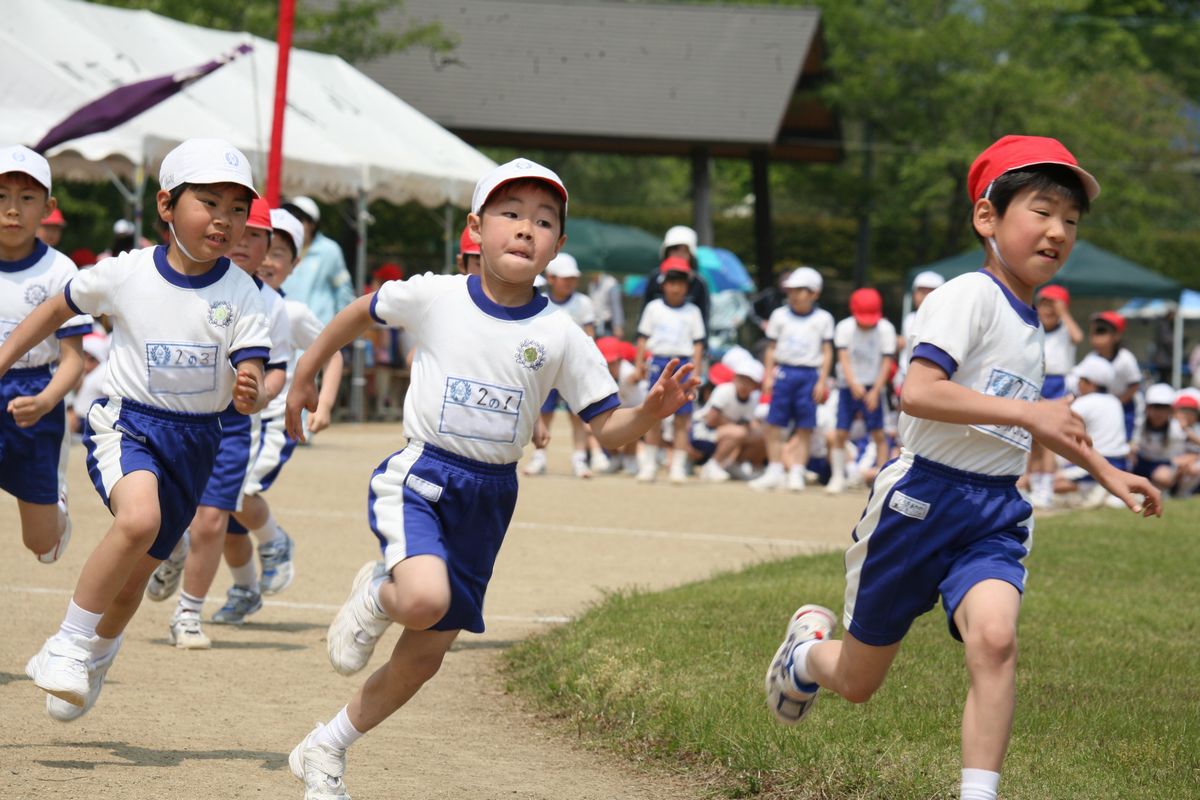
pixel 139 524
pixel 992 643
pixel 418 610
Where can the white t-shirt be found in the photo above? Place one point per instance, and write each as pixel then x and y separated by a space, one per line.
pixel 989 341
pixel 867 349
pixel 278 326
pixel 1160 445
pixel 91 389
pixel 24 285
pixel 800 338
pixel 724 399
pixel 1060 351
pixel 631 390
pixel 671 331
pixel 1105 421
pixel 908 331
pixel 174 336
pixel 482 370
pixel 578 306
pixel 303 330
pixel 1125 365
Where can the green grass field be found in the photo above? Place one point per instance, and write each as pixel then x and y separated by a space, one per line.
pixel 1108 701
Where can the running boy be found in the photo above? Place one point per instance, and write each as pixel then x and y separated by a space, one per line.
pixel 946 517
pixel 181 316
pixel 34 440
pixel 670 328
pixel 488 350
pixel 866 348
pixel 797 363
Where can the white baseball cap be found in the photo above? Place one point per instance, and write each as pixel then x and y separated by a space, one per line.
pixel 96 345
pixel 1160 394
pixel 283 220
pixel 539 281
pixel 19 158
pixel 1097 370
pixel 677 235
pixel 308 206
pixel 927 280
pixel 750 368
pixel 563 265
pixel 804 278
pixel 205 161
pixel 515 170
pixel 123 227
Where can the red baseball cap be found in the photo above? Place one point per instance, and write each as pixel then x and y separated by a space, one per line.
pixel 1186 399
pixel 610 348
pixel 388 272
pixel 83 257
pixel 1112 318
pixel 675 264
pixel 719 373
pixel 1015 152
pixel 467 245
pixel 260 215
pixel 1054 292
pixel 55 217
pixel 867 306
pixel 629 351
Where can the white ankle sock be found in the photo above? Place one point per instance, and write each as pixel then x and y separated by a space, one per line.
pixel 339 733
pixel 79 622
pixel 979 784
pixel 269 532
pixel 189 603
pixel 800 671
pixel 373 591
pixel 101 647
pixel 246 576
pixel 775 468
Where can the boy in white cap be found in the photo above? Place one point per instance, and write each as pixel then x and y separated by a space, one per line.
pixel 562 278
pixel 182 317
pixel 924 283
pixel 34 439
pixel 729 416
pixel 946 518
pixel 1104 420
pixel 679 241
pixel 798 360
pixel 321 280
pixel 1160 440
pixel 489 349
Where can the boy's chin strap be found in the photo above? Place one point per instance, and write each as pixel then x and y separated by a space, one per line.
pixel 175 238
pixel 995 249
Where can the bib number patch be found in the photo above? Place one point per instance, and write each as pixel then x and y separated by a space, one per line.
pixel 1002 383
pixel 474 409
pixel 181 367
pixel 6 328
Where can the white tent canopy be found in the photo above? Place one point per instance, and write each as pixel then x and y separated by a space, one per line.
pixel 344 134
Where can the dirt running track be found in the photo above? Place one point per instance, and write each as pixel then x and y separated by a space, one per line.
pixel 219 723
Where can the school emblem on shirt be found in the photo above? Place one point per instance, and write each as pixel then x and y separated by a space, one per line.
pixel 460 390
pixel 531 354
pixel 220 313
pixel 36 294
pixel 158 354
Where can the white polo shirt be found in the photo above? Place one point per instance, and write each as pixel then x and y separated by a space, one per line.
pixel 671 331
pixel 800 338
pixel 1060 351
pixel 176 338
pixel 867 349
pixel 303 328
pixel 26 284
pixel 482 370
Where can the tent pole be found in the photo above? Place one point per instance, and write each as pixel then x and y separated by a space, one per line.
pixel 358 375
pixel 448 239
pixel 1177 348
pixel 139 201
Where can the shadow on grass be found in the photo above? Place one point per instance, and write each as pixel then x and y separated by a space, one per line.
pixel 135 756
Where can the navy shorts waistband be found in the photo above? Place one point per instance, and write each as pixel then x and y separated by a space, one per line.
pixel 174 417
pixel 29 372
pixel 663 360
pixel 944 472
pixel 798 368
pixel 467 463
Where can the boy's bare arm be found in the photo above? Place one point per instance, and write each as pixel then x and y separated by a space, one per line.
pixel 41 322
pixel 349 323
pixel 26 411
pixel 675 386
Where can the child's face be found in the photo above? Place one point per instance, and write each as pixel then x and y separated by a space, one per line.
pixel 1158 416
pixel 278 264
pixel 562 288
pixel 801 300
pixel 675 290
pixel 1187 416
pixel 23 204
pixel 251 249
pixel 1048 313
pixel 743 386
pixel 208 218
pixel 919 295
pixel 1103 338
pixel 678 251
pixel 1035 236
pixel 519 231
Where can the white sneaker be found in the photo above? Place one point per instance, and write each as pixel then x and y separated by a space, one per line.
pixel 57 551
pixel 278 570
pixel 320 767
pixel 714 472
pixel 63 711
pixel 788 700
pixel 836 485
pixel 647 472
pixel 166 576
pixel 356 629
pixel 678 473
pixel 1041 499
pixel 1095 496
pixel 60 668
pixel 601 461
pixel 629 465
pixel 187 633
pixel 795 481
pixel 1112 501
pixel 537 463
pixel 768 481
pixel 579 465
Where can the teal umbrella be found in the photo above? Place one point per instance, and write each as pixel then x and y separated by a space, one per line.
pixel 608 247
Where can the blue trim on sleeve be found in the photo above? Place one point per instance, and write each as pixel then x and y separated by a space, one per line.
pixel 247 353
pixel 494 309
pixel 70 302
pixel 1028 314
pixel 214 274
pixel 74 330
pixel 599 407
pixel 277 365
pixel 936 355
pixel 39 250
pixel 257 281
pixel 374 316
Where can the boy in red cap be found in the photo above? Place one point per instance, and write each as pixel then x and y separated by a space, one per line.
pixel 468 254
pixel 1062 334
pixel 866 350
pixel 946 518
pixel 1107 329
pixel 50 229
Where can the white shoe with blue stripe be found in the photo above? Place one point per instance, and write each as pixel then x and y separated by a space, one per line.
pixel 789 700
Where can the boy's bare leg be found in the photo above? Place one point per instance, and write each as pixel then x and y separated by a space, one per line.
pixel 418 595
pixel 126 603
pixel 415 659
pixel 850 668
pixel 987 620
pixel 207 533
pixel 136 520
pixel 42 525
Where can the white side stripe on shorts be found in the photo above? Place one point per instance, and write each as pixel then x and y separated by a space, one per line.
pixel 856 556
pixel 107 439
pixel 388 504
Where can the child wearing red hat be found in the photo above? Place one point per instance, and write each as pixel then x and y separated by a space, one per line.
pixel 945 518
pixel 1062 335
pixel 1107 329
pixel 467 262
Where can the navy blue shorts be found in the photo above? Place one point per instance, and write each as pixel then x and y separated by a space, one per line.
pixel 33 459
pixel 426 501
pixel 791 398
pixel 224 487
pixel 123 436
pixel 931 530
pixel 552 401
pixel 1145 467
pixel 1054 387
pixel 655 368
pixel 848 407
pixel 1130 410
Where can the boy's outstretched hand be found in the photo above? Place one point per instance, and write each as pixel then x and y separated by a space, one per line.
pixel 1140 495
pixel 674 387
pixel 301 397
